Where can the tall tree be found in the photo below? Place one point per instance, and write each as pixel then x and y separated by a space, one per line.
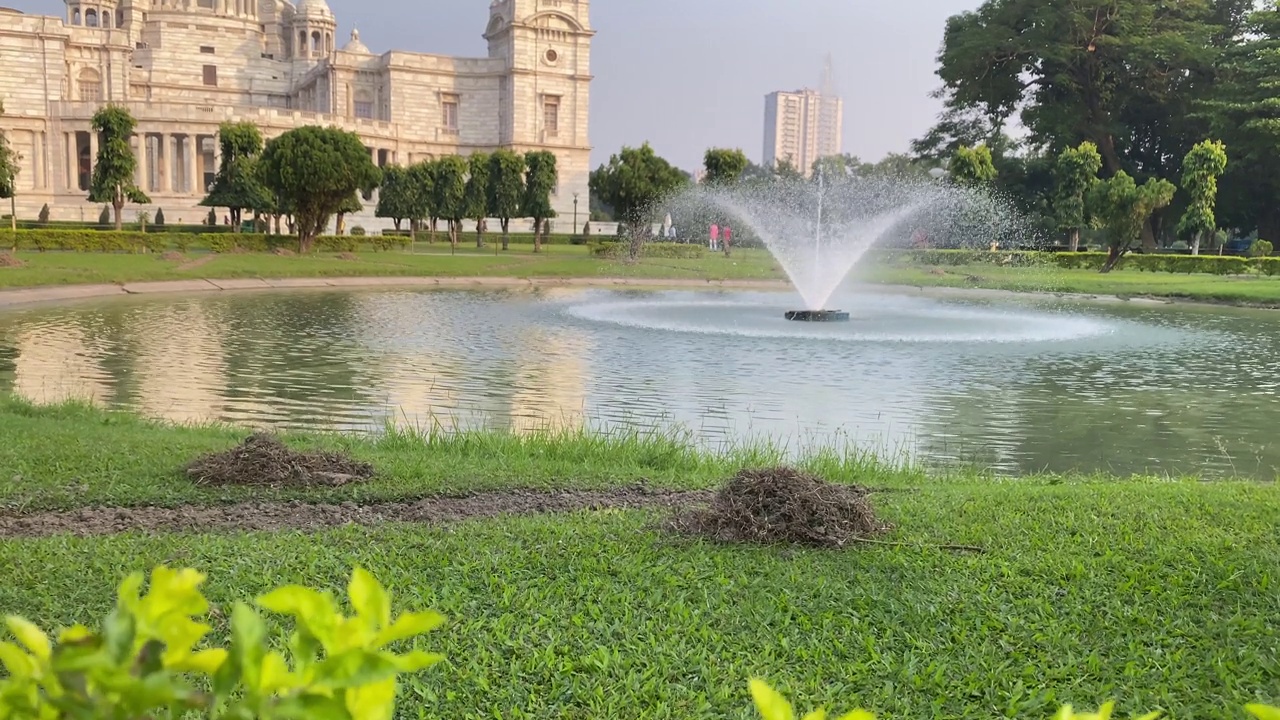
pixel 238 186
pixel 724 166
pixel 8 176
pixel 313 171
pixel 477 193
pixel 540 180
pixel 835 168
pixel 1074 173
pixel 422 180
pixel 450 193
pixel 113 173
pixel 1244 113
pixel 1124 208
pixel 506 189
pixel 1200 172
pixel 633 182
pixel 395 197
pixel 972 167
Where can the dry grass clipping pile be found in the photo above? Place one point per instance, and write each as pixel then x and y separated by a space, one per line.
pixel 9 261
pixel 783 505
pixel 172 256
pixel 348 256
pixel 263 460
pixel 283 252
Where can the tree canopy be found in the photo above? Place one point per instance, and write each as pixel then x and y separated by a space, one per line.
pixel 541 178
pixel 115 167
pixel 1200 172
pixel 506 189
pixel 632 183
pixel 449 196
pixel 972 167
pixel 8 164
pixel 476 202
pixel 314 170
pixel 396 200
pixel 238 184
pixel 1124 207
pixel 1074 172
pixel 723 166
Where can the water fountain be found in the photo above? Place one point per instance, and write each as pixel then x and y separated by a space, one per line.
pixel 819 229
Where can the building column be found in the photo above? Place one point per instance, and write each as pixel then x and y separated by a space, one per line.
pixel 37 154
pixel 193 166
pixel 67 161
pixel 144 162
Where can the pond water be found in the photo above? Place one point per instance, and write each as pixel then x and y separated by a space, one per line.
pixel 1013 385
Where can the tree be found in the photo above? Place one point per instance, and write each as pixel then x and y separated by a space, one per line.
pixel 785 169
pixel 835 168
pixel 421 196
pixel 1075 171
pixel 1244 113
pixel 476 201
pixel 540 180
pixel 632 183
pixel 972 167
pixel 159 221
pixel 312 171
pixel 506 189
pixel 1124 208
pixel 238 185
pixel 449 198
pixel 724 167
pixel 1200 172
pixel 350 206
pixel 9 177
pixel 395 197
pixel 115 167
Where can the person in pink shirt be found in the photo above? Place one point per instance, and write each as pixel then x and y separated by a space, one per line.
pixel 715 235
pixel 727 235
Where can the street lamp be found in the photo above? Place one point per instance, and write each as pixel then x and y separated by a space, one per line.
pixel 575 213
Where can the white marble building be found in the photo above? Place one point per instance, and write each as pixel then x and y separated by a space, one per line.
pixel 184 66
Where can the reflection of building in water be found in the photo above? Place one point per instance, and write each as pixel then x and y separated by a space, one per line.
pixel 550 384
pixel 56 363
pixel 420 391
pixel 179 367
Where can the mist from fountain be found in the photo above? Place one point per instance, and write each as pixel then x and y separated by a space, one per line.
pixel 819 230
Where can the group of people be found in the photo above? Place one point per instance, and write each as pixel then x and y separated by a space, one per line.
pixel 721 237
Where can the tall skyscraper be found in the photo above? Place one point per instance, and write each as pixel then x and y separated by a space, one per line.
pixel 803 125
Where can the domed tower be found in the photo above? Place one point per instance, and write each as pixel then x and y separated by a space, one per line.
pixel 94 13
pixel 313 29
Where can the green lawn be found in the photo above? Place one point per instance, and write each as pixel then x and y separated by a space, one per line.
pixel 1160 594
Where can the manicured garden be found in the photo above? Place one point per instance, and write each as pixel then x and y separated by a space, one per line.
pixel 1157 593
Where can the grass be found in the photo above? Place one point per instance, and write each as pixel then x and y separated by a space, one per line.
pixel 1252 290
pixel 1161 594
pixel 573 261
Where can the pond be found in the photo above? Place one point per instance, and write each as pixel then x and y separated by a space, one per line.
pixel 1011 384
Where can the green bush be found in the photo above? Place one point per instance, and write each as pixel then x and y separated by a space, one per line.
pixel 358 231
pixel 43 217
pixel 98 240
pixel 1260 248
pixel 337 243
pixel 159 222
pixel 1202 264
pixel 148 659
pixel 669 251
pixel 104 217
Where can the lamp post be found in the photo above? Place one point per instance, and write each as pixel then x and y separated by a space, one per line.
pixel 575 213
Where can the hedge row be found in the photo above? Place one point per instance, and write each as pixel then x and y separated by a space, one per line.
pixel 126 241
pixel 669 251
pixel 1187 264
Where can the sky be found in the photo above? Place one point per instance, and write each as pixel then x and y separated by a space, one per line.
pixel 686 75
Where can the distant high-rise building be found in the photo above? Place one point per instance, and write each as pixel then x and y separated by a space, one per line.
pixel 803 125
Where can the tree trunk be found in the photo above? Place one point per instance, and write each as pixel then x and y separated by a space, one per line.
pixel 235 221
pixel 1113 259
pixel 537 235
pixel 1149 235
pixel 1195 243
pixel 431 230
pixel 396 222
pixel 454 226
pixel 506 234
pixel 118 208
pixel 479 232
pixel 1074 241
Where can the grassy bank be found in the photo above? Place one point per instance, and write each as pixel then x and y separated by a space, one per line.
pixel 1161 594
pixel 574 261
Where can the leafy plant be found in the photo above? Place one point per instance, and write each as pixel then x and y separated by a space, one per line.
pixel 1260 248
pixel 147 659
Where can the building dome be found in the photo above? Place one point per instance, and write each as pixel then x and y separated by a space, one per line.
pixel 314 8
pixel 355 46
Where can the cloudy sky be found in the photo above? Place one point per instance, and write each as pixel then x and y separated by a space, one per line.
pixel 690 74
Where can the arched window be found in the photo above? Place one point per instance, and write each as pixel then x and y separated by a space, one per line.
pixel 315 43
pixel 302 44
pixel 120 18
pixel 91 18
pixel 90 86
pixel 75 16
pixel 106 18
pixel 328 42
pixel 362 106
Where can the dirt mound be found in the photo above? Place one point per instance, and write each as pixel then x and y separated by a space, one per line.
pixel 9 261
pixel 347 256
pixel 939 272
pixel 283 252
pixel 783 505
pixel 263 460
pixel 172 256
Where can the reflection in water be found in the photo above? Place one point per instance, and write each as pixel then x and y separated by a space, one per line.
pixel 59 363
pixel 1013 386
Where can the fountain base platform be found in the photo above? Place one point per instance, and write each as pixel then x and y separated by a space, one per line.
pixel 818 315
